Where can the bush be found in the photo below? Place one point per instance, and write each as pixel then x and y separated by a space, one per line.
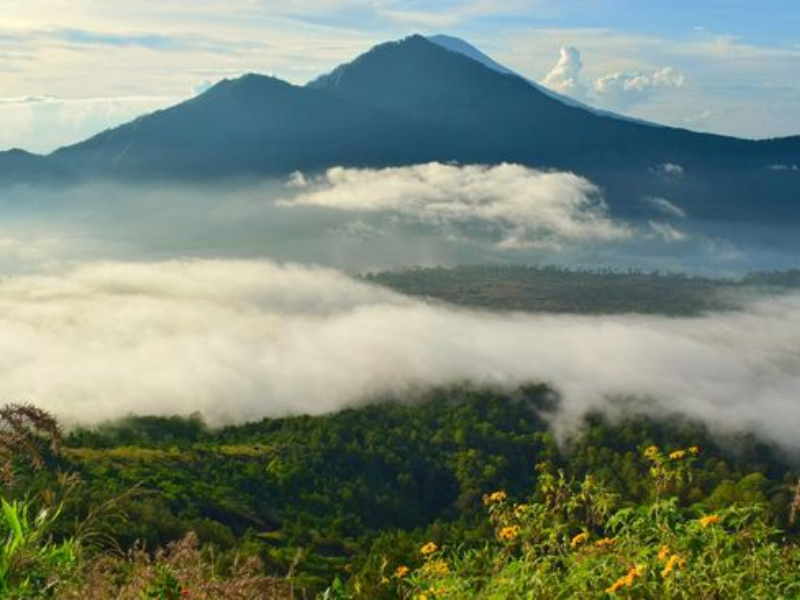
pixel 573 539
pixel 31 565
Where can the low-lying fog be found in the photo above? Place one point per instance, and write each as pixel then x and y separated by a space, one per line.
pixel 121 300
pixel 239 340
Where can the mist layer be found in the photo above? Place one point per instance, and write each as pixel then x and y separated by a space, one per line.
pixel 239 340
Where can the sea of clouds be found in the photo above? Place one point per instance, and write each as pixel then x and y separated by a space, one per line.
pixel 243 339
pixel 169 299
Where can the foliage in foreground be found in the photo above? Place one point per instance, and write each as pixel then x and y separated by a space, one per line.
pixel 181 570
pixel 31 564
pixel 574 539
pixel 37 561
pixel 336 496
pixel 285 506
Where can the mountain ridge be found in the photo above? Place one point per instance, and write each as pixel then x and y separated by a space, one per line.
pixel 411 101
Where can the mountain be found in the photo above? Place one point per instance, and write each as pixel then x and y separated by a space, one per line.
pixel 21 164
pixel 507 118
pixel 246 126
pixel 413 101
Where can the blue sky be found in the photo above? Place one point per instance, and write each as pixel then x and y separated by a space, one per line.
pixel 71 68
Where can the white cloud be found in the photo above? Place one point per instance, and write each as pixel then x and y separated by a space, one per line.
pixel 515 206
pixel 624 89
pixel 244 339
pixel 565 76
pixel 666 207
pixel 38 250
pixel 47 122
pixel 725 89
pixel 619 90
pixel 669 170
pixel 667 233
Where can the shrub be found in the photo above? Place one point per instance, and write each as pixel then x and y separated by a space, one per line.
pixel 573 539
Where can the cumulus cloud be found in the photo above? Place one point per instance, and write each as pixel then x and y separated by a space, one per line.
pixel 515 206
pixel 619 90
pixel 565 76
pixel 625 89
pixel 245 339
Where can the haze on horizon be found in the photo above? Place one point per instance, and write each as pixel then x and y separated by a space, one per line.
pixel 73 69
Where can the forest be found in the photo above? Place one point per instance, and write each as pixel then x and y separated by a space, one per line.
pixel 556 289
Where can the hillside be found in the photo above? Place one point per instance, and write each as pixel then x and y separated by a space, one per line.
pixel 355 494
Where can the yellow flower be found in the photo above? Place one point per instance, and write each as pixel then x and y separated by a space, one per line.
pixel 603 542
pixel 617 585
pixel 494 497
pixel 663 553
pixel 579 539
pixel 436 567
pixel 402 571
pixel 694 450
pixel 626 580
pixel 677 455
pixel 710 520
pixel 674 561
pixel 429 548
pixel 509 533
pixel 520 509
pixel 651 451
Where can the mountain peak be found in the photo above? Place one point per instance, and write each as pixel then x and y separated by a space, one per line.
pixel 409 51
pixel 413 66
pixel 19 152
pixel 464 48
pixel 248 83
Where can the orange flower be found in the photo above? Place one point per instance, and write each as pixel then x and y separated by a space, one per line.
pixel 710 520
pixel 495 497
pixel 626 580
pixel 674 561
pixel 579 539
pixel 402 571
pixel 603 542
pixel 509 533
pixel 663 553
pixel 616 586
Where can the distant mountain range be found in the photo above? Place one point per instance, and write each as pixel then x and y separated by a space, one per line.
pixel 419 100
